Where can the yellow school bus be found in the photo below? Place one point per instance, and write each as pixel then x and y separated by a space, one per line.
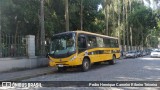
pixel 81 48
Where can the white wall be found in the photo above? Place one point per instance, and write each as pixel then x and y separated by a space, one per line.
pixel 7 64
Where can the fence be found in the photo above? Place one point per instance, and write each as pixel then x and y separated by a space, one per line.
pixel 38 47
pixel 12 46
pixel 16 46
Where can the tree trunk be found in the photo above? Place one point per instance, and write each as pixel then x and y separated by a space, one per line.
pixel 16 33
pixel 124 25
pixel 119 18
pixel 142 36
pixel 106 17
pixel 66 15
pixel 0 36
pixel 81 15
pixel 126 5
pixel 113 15
pixel 131 36
pixel 130 7
pixel 42 29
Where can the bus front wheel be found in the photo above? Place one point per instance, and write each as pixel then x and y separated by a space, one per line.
pixel 85 64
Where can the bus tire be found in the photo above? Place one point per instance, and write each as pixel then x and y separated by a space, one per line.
pixel 113 61
pixel 85 64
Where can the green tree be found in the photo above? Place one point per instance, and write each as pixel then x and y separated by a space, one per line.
pixel 142 19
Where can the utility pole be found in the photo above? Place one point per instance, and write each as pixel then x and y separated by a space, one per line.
pixel 66 15
pixel 42 29
pixel 81 15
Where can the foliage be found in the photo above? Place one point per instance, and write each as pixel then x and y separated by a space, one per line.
pixel 22 17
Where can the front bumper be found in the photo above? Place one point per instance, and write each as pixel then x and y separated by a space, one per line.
pixel 65 62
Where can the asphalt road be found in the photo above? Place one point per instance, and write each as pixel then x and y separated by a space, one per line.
pixel 138 69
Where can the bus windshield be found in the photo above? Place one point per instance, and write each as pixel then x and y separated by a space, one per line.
pixel 63 45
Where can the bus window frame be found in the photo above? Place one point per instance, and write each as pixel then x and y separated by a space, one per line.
pixel 85 39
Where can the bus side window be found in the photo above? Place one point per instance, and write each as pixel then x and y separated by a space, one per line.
pixel 92 42
pixel 81 42
pixel 107 42
pixel 114 43
pixel 100 42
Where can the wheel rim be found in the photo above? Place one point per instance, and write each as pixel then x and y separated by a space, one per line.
pixel 86 65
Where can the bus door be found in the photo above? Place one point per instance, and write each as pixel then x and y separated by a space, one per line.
pixel 82 44
pixel 92 48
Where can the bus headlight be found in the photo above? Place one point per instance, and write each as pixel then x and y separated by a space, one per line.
pixel 74 57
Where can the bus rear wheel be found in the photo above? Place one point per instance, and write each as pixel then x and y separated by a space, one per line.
pixel 85 64
pixel 113 61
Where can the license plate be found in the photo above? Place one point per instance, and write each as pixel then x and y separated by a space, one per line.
pixel 60 65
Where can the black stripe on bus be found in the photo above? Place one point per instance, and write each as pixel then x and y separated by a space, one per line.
pixel 103 52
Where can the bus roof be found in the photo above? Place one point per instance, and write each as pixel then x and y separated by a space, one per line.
pixel 96 34
pixel 85 32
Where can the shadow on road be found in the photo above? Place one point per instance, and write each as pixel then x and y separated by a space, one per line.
pixel 92 68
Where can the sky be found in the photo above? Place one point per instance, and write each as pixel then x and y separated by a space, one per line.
pixel 99 7
pixel 152 4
